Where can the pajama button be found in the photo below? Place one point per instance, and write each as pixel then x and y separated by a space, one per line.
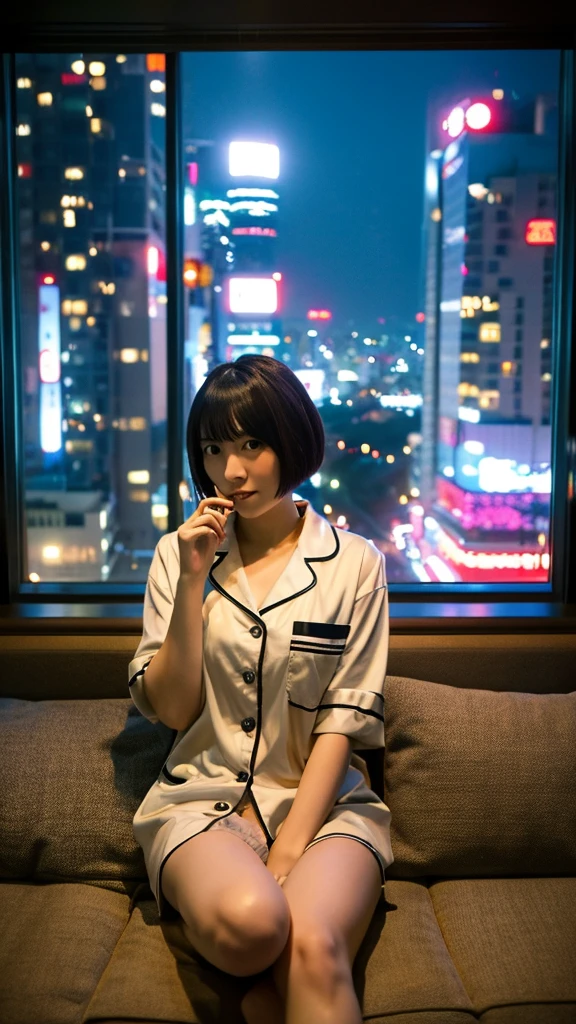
pixel 221 806
pixel 242 777
pixel 249 676
pixel 248 724
pixel 256 631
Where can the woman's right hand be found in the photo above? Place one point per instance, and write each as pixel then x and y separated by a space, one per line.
pixel 201 534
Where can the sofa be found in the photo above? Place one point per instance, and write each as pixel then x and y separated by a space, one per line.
pixel 477 918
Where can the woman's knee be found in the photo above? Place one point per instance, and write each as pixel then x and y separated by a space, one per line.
pixel 319 954
pixel 251 929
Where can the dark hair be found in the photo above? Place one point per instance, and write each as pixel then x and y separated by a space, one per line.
pixel 260 396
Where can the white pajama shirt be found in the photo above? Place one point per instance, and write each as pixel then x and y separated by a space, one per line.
pixel 311 660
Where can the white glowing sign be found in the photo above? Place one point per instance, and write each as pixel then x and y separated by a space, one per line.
pixel 313 381
pixel 49 367
pixel 253 295
pixel 253 339
pixel 502 476
pixel 254 159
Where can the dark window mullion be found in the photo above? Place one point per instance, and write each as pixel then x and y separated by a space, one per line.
pixel 562 506
pixel 12 536
pixel 174 290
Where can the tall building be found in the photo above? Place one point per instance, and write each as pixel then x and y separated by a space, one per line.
pixel 240 219
pixel 90 149
pixel 490 226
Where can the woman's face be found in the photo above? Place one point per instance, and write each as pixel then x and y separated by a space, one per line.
pixel 246 464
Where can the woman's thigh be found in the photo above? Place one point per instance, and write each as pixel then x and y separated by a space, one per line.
pixel 236 914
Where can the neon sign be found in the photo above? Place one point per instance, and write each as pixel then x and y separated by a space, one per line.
pixel 541 231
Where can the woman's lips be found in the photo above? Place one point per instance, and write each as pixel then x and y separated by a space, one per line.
pixel 242 497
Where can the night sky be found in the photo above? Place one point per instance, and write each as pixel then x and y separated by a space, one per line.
pixel 351 130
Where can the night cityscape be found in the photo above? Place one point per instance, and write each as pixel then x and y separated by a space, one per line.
pixel 408 284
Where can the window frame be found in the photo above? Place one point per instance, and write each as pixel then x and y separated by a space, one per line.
pixel 414 607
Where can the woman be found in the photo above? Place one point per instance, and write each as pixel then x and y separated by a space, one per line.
pixel 264 646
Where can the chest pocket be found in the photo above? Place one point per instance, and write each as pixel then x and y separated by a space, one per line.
pixel 315 652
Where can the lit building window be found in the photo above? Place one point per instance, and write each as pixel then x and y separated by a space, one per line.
pixel 140 495
pixel 107 289
pixel 73 173
pixel 97 68
pixel 157 86
pixel 23 129
pixel 89 112
pixel 78 67
pixel 95 125
pixel 489 332
pixel 69 218
pixel 158 109
pixel 45 246
pixel 98 84
pixel 138 476
pixel 77 262
pixel 137 423
pixel 489 399
pixel 508 368
pixel 24 83
pixel 78 307
pixel 545 343
pixel 130 355
pixel 44 99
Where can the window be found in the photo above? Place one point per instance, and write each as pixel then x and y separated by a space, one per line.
pixel 93 319
pixel 376 333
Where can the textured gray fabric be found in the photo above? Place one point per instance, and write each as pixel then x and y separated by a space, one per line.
pixel 479 782
pixel 72 774
pixel 154 975
pixel 55 943
pixel 561 1013
pixel 403 963
pixel 513 940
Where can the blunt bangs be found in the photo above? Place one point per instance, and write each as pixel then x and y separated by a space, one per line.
pixel 261 397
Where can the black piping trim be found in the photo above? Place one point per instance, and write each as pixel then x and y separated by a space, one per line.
pixel 216 585
pixel 346 835
pixel 327 630
pixel 349 707
pixel 140 672
pixel 317 648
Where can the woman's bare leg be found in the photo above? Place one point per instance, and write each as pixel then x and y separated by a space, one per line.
pixel 233 910
pixel 332 892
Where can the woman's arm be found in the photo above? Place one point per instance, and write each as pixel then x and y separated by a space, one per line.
pixel 321 779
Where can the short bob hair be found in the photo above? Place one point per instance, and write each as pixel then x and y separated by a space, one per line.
pixel 262 397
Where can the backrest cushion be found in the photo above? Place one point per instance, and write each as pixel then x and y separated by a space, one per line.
pixel 72 775
pixel 479 782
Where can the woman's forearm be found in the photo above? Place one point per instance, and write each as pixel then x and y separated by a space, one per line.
pixel 321 779
pixel 173 680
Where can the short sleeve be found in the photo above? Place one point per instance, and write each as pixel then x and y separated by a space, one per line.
pixel 156 616
pixel 353 702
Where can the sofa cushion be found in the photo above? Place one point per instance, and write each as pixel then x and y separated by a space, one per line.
pixel 72 774
pixel 479 782
pixel 55 943
pixel 513 940
pixel 154 975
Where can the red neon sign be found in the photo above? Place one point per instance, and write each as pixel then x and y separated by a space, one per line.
pixel 69 78
pixel 319 314
pixel 541 231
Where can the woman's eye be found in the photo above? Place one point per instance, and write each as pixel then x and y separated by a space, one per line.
pixel 252 440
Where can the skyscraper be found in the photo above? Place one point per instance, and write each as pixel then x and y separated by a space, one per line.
pixel 91 172
pixel 490 232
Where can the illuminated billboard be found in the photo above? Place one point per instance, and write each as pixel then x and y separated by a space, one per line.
pixel 252 295
pixel 254 159
pixel 49 367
